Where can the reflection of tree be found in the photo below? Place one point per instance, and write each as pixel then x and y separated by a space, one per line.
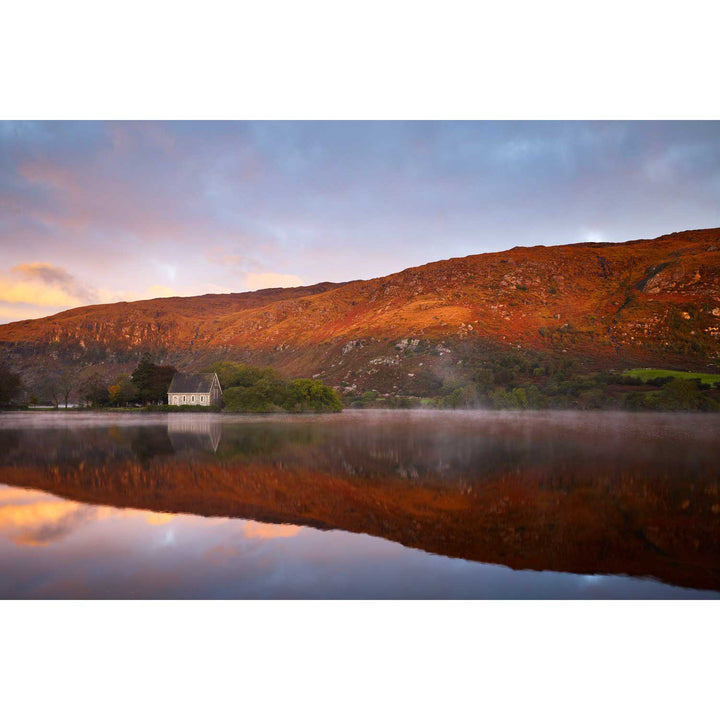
pixel 91 447
pixel 9 441
pixel 149 442
pixel 264 440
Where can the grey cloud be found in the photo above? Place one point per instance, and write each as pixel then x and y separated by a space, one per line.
pixel 378 196
pixel 56 277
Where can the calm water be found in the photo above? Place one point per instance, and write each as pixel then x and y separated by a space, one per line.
pixel 368 504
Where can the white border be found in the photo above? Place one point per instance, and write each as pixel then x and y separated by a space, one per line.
pixel 360 659
pixel 389 59
pixel 370 60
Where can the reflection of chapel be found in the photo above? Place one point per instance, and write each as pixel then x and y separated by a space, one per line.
pixel 194 389
pixel 192 432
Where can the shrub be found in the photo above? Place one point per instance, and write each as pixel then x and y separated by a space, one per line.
pixel 516 399
pixel 634 401
pixel 232 374
pixel 269 393
pixel 311 396
pixel 484 378
pixel 261 397
pixel 681 395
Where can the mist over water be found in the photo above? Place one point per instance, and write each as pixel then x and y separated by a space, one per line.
pixel 454 504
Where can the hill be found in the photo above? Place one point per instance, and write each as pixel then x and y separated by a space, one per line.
pixel 610 305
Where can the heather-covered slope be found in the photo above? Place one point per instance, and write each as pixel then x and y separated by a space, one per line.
pixel 651 302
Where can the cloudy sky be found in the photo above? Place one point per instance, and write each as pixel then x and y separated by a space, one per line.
pixel 99 212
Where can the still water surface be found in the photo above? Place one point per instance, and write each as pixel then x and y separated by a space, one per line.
pixel 367 504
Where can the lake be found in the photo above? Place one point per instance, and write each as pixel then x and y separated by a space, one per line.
pixel 365 504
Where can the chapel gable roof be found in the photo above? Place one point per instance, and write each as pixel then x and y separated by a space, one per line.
pixel 191 383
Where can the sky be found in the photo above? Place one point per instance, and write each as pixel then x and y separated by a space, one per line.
pixel 95 212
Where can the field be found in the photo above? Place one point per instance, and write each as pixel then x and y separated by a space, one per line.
pixel 646 374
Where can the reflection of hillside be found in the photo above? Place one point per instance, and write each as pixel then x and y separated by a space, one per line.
pixel 547 500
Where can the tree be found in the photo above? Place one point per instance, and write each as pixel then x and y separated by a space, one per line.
pixel 152 381
pixel 122 391
pixel 58 386
pixel 162 377
pixel 49 389
pixel 68 382
pixel 464 396
pixel 485 379
pixel 10 384
pixel 93 389
pixel 142 377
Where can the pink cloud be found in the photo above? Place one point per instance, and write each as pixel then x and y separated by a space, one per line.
pixel 265 531
pixel 258 281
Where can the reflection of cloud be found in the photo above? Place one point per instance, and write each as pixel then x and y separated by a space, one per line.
pixel 265 531
pixel 8 493
pixel 258 281
pixel 153 518
pixel 220 553
pixel 43 522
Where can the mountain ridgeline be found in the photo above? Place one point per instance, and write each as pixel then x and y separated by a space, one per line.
pixel 603 305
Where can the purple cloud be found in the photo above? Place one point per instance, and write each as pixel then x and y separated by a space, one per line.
pixel 201 206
